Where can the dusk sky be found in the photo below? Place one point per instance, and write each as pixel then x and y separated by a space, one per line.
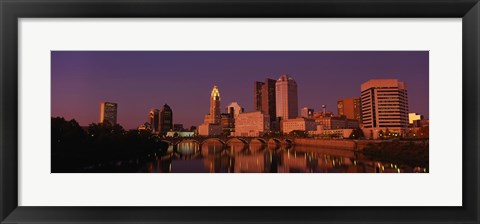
pixel 141 80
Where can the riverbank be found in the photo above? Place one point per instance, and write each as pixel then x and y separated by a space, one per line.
pixel 348 144
pixel 345 144
pixel 411 153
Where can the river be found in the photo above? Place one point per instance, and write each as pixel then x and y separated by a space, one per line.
pixel 237 157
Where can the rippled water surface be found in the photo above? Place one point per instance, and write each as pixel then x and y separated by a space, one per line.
pixel 237 157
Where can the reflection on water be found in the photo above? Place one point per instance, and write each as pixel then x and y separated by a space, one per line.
pixel 256 157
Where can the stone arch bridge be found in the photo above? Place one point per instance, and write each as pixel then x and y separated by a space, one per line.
pixel 227 140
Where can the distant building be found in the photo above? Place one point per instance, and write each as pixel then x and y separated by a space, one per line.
pixel 322 114
pixel 306 112
pixel 178 127
pixel 227 123
pixel 154 120
pixel 330 123
pixel 334 133
pixel 414 119
pixel 257 95
pixel 265 99
pixel 252 124
pixel 298 124
pixel 235 109
pixel 384 106
pixel 286 97
pixel 350 108
pixel 145 127
pixel 210 129
pixel 424 123
pixel 108 113
pixel 180 134
pixel 166 119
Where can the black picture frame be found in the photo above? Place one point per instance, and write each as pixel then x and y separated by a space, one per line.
pixel 12 10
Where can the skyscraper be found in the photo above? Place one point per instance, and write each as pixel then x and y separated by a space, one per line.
pixel 350 108
pixel 153 119
pixel 257 95
pixel 166 119
pixel 286 97
pixel 212 122
pixel 108 113
pixel 384 106
pixel 265 98
pixel 215 115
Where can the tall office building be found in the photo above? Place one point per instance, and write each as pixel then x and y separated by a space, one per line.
pixel 350 108
pixel 265 97
pixel 384 106
pixel 212 123
pixel 166 119
pixel 215 115
pixel 153 119
pixel 108 113
pixel 257 95
pixel 286 97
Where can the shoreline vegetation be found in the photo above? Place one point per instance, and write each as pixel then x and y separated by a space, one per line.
pixel 414 154
pixel 74 148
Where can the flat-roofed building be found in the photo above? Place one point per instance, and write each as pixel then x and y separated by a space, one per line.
pixel 298 124
pixel 384 106
pixel 337 122
pixel 252 124
pixel 210 129
pixel 108 113
pixel 286 98
pixel 350 108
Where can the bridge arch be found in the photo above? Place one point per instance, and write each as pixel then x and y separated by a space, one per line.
pixel 261 140
pixel 236 138
pixel 274 141
pixel 214 140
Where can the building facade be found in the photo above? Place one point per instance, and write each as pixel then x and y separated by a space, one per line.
pixel 350 108
pixel 166 119
pixel 286 98
pixel 215 114
pixel 306 112
pixel 210 129
pixel 331 123
pixel 235 109
pixel 265 99
pixel 154 120
pixel 212 123
pixel 108 113
pixel 252 124
pixel 228 123
pixel 384 106
pixel 178 127
pixel 298 124
pixel 414 119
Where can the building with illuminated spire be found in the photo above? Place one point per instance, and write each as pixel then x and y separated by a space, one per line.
pixel 215 115
pixel 212 122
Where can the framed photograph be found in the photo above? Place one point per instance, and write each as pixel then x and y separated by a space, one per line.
pixel 246 112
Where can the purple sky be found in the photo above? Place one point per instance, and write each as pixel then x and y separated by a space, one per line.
pixel 141 80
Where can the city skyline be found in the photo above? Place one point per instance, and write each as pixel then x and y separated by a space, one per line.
pixel 140 81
